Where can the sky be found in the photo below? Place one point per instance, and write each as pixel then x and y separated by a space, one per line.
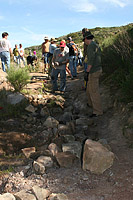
pixel 29 21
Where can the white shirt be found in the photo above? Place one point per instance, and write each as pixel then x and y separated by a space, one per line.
pixel 21 51
pixel 4 45
pixel 52 47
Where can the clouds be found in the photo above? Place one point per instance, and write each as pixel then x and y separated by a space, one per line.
pixel 89 6
pixel 120 3
pixel 80 5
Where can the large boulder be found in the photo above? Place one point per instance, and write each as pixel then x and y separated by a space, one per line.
pixel 96 157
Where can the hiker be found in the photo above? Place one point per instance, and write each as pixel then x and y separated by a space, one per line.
pixel 16 54
pixel 67 65
pixel 95 70
pixel 5 51
pixel 72 57
pixel 85 60
pixel 21 54
pixel 45 52
pixel 31 58
pixel 59 61
pixel 52 47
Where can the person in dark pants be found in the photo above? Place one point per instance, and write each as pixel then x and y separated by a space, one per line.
pixel 59 61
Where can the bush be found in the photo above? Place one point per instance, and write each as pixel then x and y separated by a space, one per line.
pixel 18 78
pixel 117 63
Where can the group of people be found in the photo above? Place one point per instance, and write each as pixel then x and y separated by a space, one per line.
pixel 67 53
pixel 57 58
pixel 18 54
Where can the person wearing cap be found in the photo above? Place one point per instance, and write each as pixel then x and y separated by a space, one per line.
pixel 72 57
pixel 95 70
pixel 5 51
pixel 52 47
pixel 45 52
pixel 59 61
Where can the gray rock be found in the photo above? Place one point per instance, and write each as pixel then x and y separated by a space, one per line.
pixel 51 122
pixel 38 167
pixel 66 117
pixel 15 98
pixel 30 108
pixel 45 160
pixel 73 147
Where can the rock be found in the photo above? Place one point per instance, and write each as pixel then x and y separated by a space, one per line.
pixel 80 137
pixel 44 112
pixel 65 159
pixel 96 157
pixel 84 121
pixel 15 98
pixel 40 193
pixel 30 108
pixel 23 195
pixel 38 167
pixel 66 117
pixel 69 138
pixel 53 149
pixel 73 147
pixel 59 196
pixel 28 151
pixel 46 136
pixel 64 130
pixel 7 196
pixel 51 122
pixel 45 160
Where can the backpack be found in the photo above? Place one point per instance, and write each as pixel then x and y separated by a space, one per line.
pixel 75 50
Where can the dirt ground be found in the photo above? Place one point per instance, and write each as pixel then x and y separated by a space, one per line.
pixel 115 183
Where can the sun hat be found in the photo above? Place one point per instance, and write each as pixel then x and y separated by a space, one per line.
pixel 62 44
pixel 46 38
pixel 53 39
pixel 88 35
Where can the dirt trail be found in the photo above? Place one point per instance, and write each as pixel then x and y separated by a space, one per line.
pixel 115 183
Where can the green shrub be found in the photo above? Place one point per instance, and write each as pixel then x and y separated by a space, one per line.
pixel 18 78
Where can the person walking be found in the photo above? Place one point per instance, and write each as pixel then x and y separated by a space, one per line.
pixel 95 70
pixel 45 52
pixel 73 52
pixel 16 54
pixel 21 54
pixel 5 51
pixel 59 61
pixel 52 47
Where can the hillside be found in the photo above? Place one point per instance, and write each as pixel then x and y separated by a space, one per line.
pixel 117 55
pixel 33 133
